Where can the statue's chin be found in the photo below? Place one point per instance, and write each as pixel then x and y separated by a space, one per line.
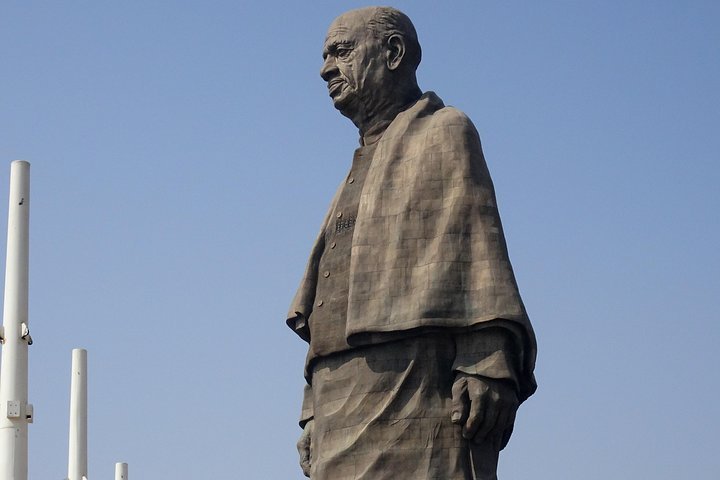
pixel 345 106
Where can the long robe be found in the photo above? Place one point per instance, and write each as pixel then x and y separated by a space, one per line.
pixel 428 264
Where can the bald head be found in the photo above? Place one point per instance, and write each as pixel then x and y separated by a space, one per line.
pixel 369 61
pixel 384 22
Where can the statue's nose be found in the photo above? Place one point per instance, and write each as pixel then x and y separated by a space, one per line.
pixel 329 68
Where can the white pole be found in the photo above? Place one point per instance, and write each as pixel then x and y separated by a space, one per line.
pixel 121 471
pixel 77 453
pixel 15 413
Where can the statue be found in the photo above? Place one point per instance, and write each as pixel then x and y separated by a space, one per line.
pixel 420 348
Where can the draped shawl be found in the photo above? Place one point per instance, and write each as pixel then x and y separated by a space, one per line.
pixel 428 250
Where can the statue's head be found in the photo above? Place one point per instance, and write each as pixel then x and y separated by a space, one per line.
pixel 370 55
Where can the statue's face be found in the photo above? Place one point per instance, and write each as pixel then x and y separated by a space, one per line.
pixel 353 67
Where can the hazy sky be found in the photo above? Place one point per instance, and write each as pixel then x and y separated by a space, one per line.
pixel 183 155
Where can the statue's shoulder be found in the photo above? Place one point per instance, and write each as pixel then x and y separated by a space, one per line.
pixel 451 116
pixel 429 120
pixel 440 115
pixel 447 126
pixel 445 123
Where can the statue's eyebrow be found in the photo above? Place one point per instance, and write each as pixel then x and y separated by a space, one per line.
pixel 332 47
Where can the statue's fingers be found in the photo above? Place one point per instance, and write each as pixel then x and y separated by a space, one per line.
pixel 459 411
pixel 476 417
pixel 305 465
pixel 495 435
pixel 303 446
pixel 489 420
pixel 304 452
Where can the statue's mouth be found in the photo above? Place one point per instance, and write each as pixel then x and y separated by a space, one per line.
pixel 335 86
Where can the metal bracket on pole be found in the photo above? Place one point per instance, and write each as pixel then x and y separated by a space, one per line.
pixel 26 334
pixel 15 409
pixel 2 334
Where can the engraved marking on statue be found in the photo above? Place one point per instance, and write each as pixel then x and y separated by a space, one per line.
pixel 419 346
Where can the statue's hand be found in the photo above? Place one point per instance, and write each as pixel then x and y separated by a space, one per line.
pixel 485 408
pixel 304 446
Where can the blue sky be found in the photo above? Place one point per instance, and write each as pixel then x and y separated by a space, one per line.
pixel 183 154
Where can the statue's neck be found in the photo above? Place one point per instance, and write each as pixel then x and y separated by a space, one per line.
pixel 373 120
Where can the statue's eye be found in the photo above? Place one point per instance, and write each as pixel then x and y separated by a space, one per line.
pixel 343 52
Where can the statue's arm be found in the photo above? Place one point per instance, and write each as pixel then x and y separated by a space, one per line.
pixel 485 390
pixel 490 352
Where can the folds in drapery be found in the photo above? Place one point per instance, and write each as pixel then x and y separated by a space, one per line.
pixel 428 249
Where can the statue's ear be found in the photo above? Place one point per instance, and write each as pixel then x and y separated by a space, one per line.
pixel 395 51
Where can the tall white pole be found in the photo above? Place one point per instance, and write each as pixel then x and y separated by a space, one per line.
pixel 15 412
pixel 121 471
pixel 77 453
